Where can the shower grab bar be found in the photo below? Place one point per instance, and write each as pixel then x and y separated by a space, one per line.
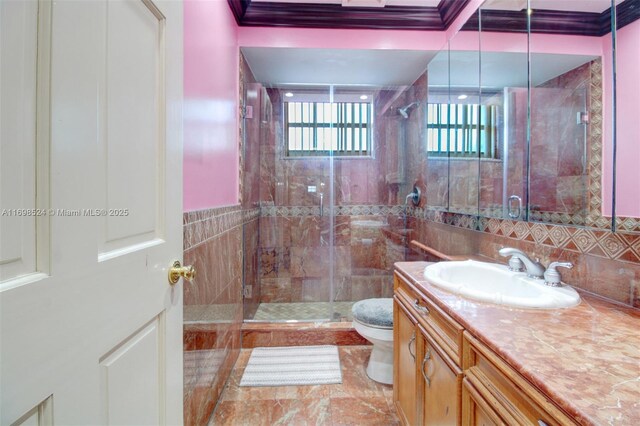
pixel 321 204
pixel 430 250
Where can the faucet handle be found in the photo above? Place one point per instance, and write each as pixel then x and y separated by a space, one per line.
pixel 515 264
pixel 552 276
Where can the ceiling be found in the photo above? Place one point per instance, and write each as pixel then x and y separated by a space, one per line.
pixel 500 69
pixel 280 66
pixel 379 68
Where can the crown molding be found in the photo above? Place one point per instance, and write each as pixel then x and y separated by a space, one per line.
pixel 324 15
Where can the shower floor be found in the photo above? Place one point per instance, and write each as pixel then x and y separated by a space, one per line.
pixel 304 311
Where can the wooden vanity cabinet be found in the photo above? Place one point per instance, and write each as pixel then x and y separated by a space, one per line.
pixel 443 375
pixel 432 395
pixel 476 411
pixel 404 363
pixel 491 382
pixel 440 384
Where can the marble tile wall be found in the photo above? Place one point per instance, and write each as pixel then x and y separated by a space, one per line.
pixel 606 263
pixel 558 176
pixel 463 184
pixel 213 244
pixel 295 255
pixel 373 180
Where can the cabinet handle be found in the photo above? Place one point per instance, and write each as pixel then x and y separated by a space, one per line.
pixel 422 309
pixel 427 357
pixel 542 423
pixel 412 340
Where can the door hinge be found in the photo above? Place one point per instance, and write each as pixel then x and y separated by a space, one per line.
pixel 247 291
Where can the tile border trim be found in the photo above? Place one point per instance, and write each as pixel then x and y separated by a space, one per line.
pixel 621 246
pixel 353 210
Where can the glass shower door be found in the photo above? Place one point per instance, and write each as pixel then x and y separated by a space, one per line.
pixel 295 278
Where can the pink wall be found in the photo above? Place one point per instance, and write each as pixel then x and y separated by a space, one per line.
pixel 210 105
pixel 628 124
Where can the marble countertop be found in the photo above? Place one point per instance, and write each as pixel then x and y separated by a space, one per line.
pixel 586 358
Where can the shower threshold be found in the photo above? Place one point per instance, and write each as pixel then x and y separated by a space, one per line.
pixel 294 312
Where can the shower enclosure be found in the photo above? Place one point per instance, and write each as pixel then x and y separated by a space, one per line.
pixel 329 167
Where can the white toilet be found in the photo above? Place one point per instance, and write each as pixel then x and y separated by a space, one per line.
pixel 373 320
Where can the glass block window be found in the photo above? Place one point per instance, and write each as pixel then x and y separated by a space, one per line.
pixel 462 130
pixel 319 128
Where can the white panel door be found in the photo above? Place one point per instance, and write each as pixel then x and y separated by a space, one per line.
pixel 91 203
pixel 18 41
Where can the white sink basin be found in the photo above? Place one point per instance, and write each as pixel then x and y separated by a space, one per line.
pixel 493 283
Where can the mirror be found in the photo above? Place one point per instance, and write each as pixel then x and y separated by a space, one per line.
pixel 463 121
pixel 503 82
pixel 566 124
pixel 542 125
pixel 626 207
pixel 437 167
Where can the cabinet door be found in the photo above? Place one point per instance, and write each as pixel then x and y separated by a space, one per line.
pixel 441 384
pixel 404 364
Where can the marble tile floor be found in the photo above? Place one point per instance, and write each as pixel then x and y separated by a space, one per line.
pixel 358 400
pixel 304 311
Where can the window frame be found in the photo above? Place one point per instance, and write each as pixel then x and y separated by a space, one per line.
pixel 477 127
pixel 313 125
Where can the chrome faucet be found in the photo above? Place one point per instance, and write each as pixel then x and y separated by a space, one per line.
pixel 534 268
pixel 552 276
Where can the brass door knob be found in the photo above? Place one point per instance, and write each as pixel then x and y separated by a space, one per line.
pixel 177 271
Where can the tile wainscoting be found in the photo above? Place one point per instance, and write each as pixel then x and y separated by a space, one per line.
pixel 213 244
pixel 267 244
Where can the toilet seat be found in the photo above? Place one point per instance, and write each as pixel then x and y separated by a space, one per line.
pixel 377 313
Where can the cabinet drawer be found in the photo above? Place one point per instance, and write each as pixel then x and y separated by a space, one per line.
pixel 475 410
pixel 510 395
pixel 445 330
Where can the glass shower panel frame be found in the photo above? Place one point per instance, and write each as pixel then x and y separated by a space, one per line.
pixel 295 278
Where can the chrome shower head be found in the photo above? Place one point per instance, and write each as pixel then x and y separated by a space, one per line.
pixel 405 111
